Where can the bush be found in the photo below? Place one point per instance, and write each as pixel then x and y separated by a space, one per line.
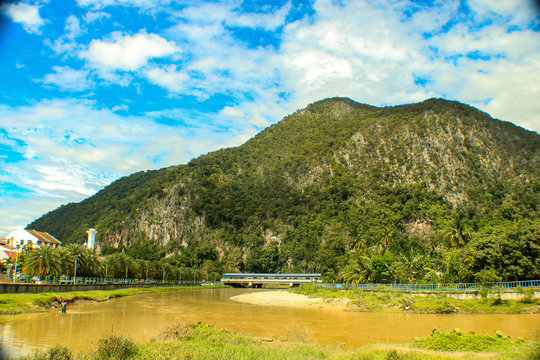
pixel 392 355
pixel 55 352
pixel 457 341
pixel 115 347
pixel 59 352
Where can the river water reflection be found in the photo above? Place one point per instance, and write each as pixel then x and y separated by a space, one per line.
pixel 145 316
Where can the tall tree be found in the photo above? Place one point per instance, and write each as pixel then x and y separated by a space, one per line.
pixel 43 260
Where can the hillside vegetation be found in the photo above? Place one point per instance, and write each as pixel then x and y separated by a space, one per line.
pixel 434 191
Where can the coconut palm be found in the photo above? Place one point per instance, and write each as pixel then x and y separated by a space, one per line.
pixel 66 261
pixel 43 260
pixel 362 268
pixel 456 234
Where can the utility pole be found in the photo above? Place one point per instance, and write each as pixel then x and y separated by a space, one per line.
pixel 75 273
pixel 16 262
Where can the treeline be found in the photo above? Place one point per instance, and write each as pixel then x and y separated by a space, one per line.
pixel 77 260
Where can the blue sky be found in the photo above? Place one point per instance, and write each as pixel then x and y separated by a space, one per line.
pixel 92 90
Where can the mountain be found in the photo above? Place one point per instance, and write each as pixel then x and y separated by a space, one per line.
pixel 326 181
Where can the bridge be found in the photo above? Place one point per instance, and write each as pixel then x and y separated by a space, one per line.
pixel 258 280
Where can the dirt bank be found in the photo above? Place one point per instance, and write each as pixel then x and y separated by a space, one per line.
pixel 286 298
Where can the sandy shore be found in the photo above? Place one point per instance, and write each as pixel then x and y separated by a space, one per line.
pixel 286 298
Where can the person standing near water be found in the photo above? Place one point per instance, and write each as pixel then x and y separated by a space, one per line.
pixel 64 306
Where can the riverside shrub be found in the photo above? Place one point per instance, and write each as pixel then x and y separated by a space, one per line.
pixel 457 341
pixel 115 347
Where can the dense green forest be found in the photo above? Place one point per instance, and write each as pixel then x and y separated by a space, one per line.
pixel 431 192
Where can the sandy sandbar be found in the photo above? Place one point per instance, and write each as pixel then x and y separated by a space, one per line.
pixel 286 298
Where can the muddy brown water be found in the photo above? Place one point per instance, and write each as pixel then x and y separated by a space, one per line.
pixel 145 316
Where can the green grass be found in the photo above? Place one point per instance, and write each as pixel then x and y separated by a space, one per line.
pixel 457 341
pixel 38 302
pixel 203 341
pixel 393 301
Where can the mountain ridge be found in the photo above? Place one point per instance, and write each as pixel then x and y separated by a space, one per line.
pixel 335 161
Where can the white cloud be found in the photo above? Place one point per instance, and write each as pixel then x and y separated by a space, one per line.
pixel 15 215
pixel 25 14
pixel 169 78
pixel 93 16
pixel 73 149
pixel 68 79
pixel 122 107
pixel 66 44
pixel 211 13
pixel 128 52
pixel 143 4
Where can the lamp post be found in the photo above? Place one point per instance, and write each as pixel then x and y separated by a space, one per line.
pixel 126 272
pixel 106 271
pixel 40 258
pixel 75 274
pixel 16 262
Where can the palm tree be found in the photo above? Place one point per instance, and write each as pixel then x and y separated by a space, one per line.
pixel 94 265
pixel 43 260
pixel 66 261
pixel 456 234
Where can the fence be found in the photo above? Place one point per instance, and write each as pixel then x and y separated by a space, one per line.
pixel 23 279
pixel 507 285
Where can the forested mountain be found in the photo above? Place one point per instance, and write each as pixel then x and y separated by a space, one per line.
pixel 434 191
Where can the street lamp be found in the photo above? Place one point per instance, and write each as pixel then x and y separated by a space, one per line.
pixel 16 262
pixel 75 274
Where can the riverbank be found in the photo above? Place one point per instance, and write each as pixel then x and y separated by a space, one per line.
pixel 11 304
pixel 398 301
pixel 312 296
pixel 203 341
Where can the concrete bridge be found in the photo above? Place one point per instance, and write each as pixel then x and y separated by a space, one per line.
pixel 258 280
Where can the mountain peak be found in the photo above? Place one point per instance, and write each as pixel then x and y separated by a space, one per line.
pixel 336 103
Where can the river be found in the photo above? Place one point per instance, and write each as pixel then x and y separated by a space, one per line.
pixel 145 316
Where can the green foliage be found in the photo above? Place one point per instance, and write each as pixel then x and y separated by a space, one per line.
pixel 115 347
pixel 55 352
pixel 43 260
pixel 457 341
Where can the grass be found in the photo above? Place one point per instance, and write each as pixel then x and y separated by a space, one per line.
pixel 203 341
pixel 457 341
pixel 387 300
pixel 39 302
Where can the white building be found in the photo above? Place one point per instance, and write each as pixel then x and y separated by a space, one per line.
pixel 90 243
pixel 21 237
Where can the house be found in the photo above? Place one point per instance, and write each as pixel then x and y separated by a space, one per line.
pixel 7 252
pixel 21 237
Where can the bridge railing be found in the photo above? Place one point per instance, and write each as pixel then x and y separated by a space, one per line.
pixel 440 286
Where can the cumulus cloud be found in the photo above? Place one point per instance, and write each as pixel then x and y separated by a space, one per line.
pixel 68 79
pixel 25 14
pixel 125 52
pixel 169 78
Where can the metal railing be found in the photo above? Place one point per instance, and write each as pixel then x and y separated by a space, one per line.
pixel 53 280
pixel 507 285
